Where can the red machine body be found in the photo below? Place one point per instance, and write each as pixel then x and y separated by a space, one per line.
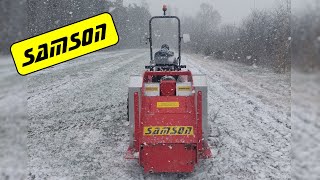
pixel 167 131
pixel 167 111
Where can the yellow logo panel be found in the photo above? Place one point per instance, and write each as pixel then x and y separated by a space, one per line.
pixel 167 130
pixel 64 44
pixel 184 88
pixel 152 89
pixel 168 104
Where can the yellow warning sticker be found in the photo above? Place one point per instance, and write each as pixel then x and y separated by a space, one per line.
pixel 167 130
pixel 64 44
pixel 168 104
pixel 184 88
pixel 152 89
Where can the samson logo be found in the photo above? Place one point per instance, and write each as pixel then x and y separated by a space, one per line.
pixel 60 45
pixel 168 130
pixel 65 43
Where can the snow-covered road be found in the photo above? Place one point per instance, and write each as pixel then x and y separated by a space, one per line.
pixel 250 120
pixel 306 126
pixel 78 128
pixel 13 122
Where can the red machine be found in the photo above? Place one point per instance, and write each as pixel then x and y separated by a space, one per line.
pixel 167 110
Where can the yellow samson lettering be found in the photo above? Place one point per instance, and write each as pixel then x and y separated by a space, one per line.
pixel 168 130
pixel 64 44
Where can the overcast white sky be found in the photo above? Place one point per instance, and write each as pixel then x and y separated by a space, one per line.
pixel 232 11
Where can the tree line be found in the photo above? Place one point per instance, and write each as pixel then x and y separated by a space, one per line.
pixel 306 38
pixel 262 38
